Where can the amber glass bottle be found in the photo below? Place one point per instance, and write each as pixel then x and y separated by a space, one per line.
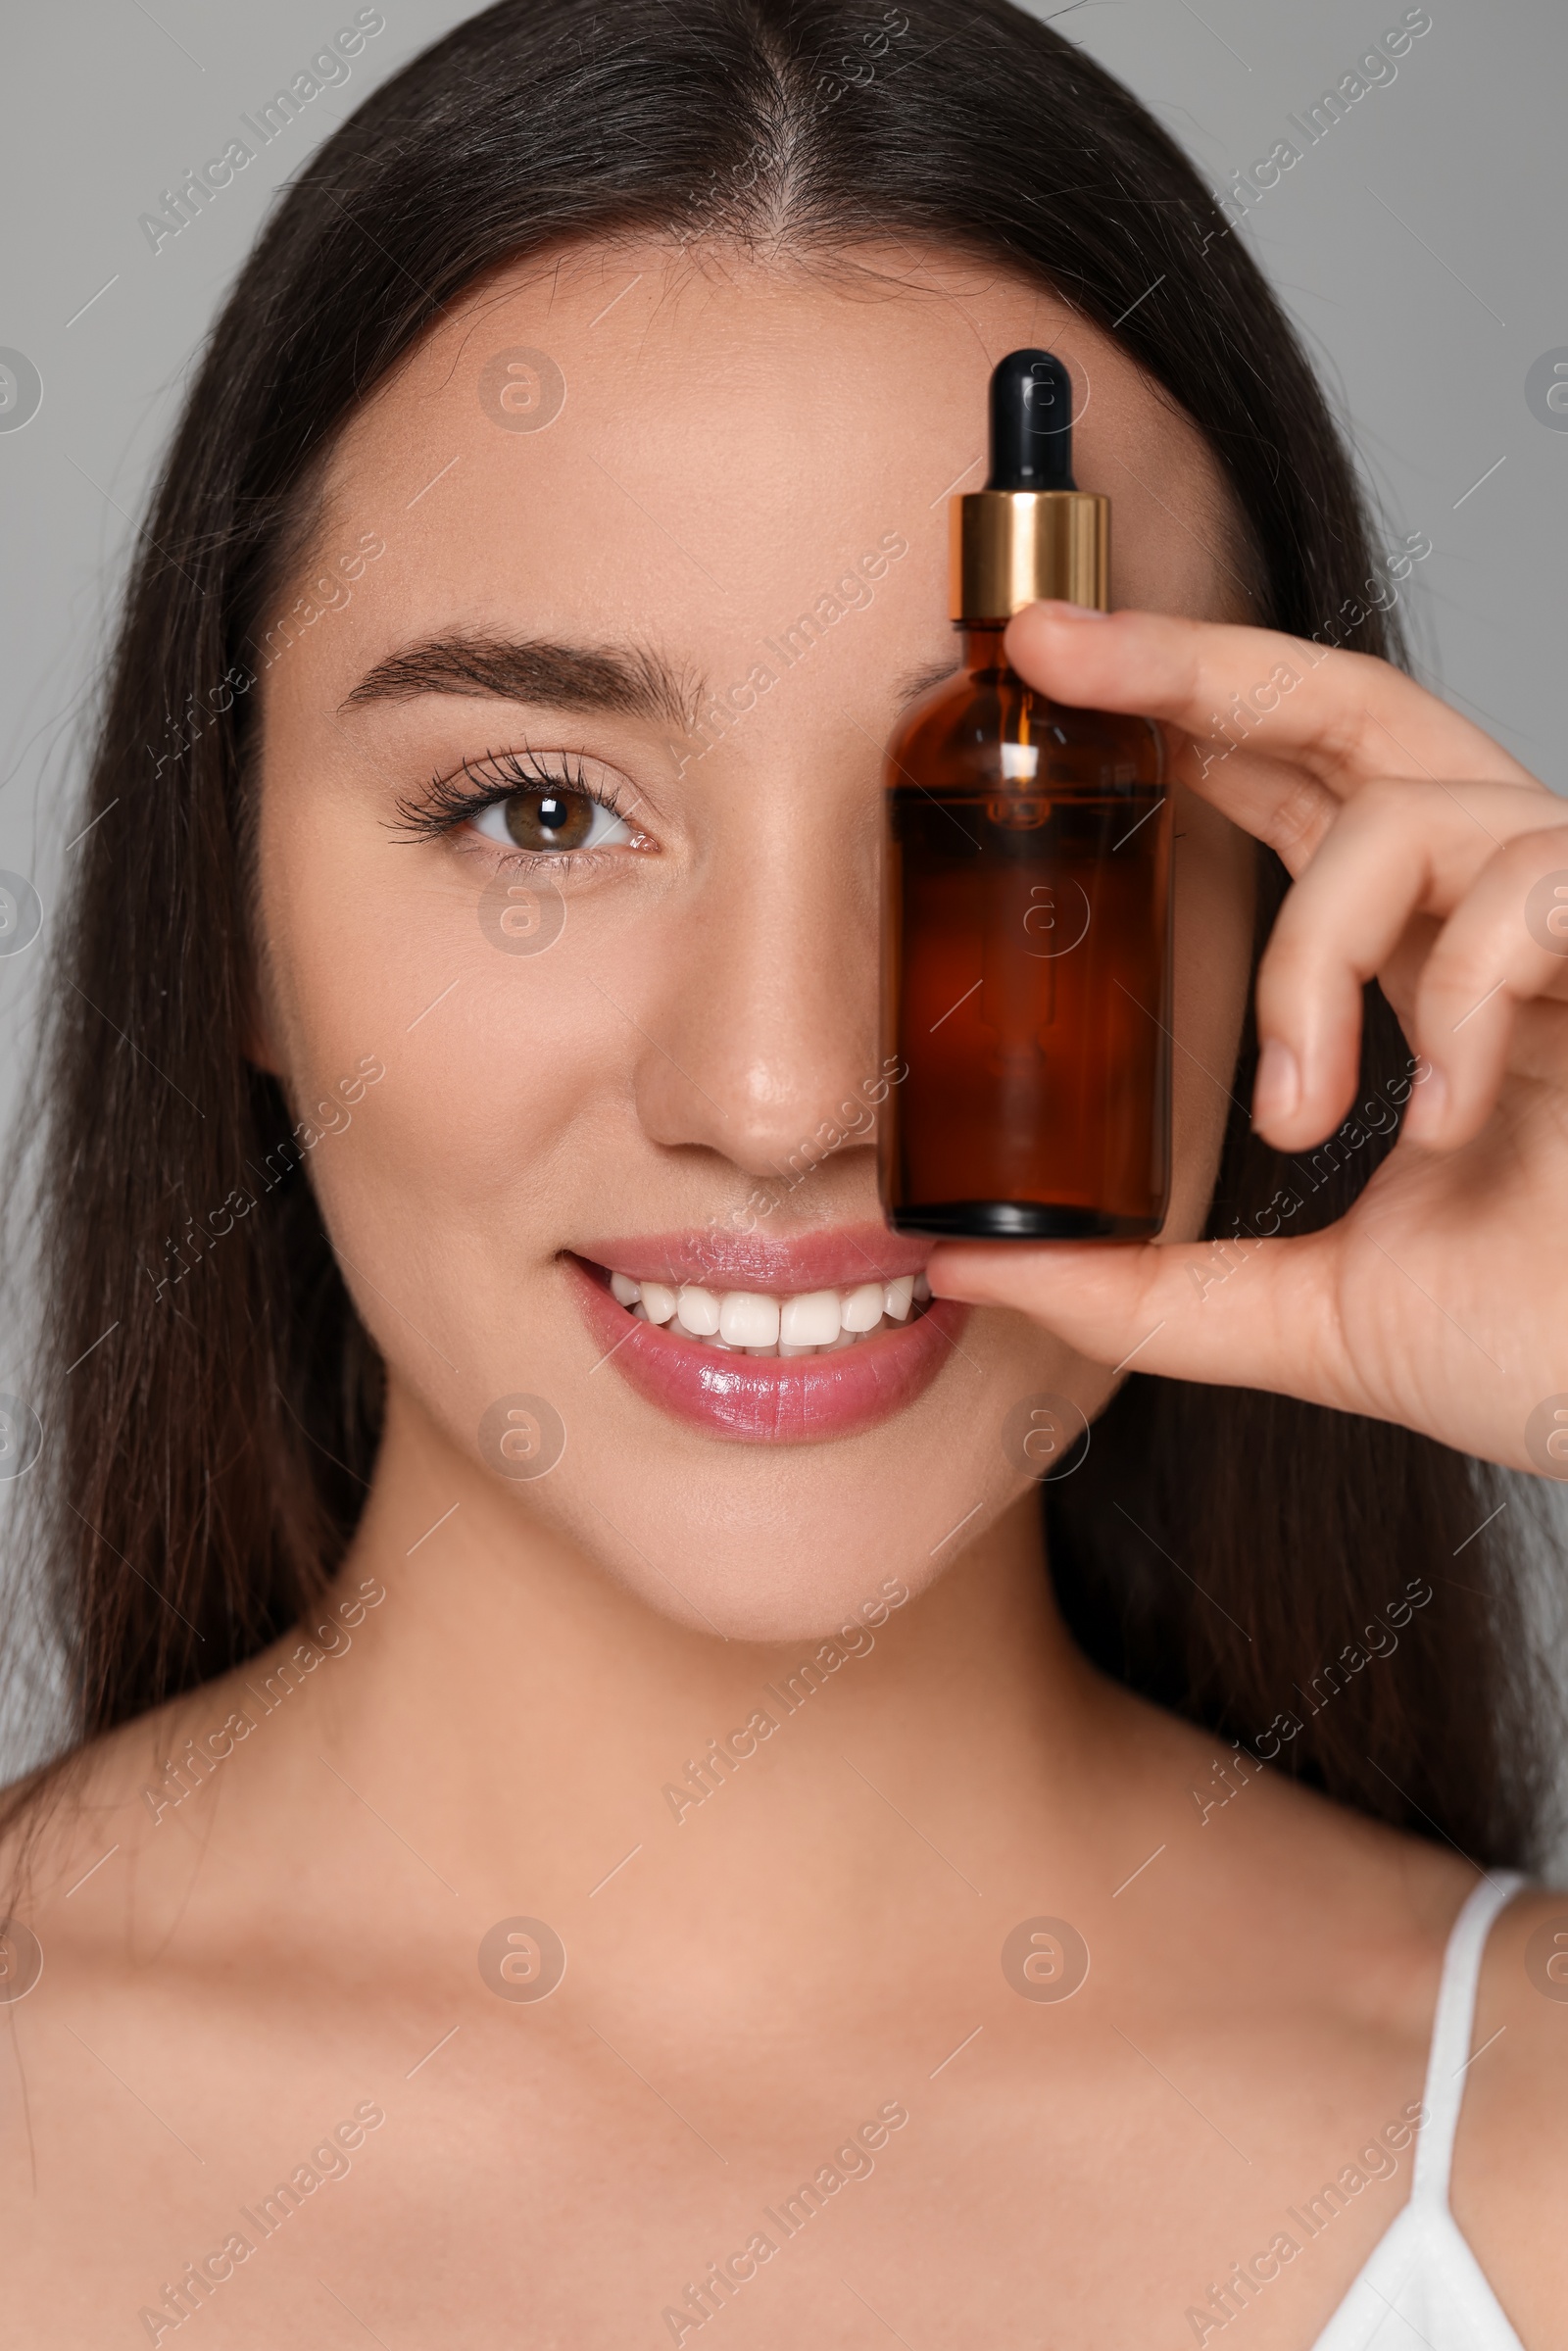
pixel 1027 893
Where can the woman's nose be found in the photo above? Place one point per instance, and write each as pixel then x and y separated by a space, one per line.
pixel 765 1026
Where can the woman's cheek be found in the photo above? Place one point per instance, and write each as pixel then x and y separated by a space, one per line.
pixel 473 1119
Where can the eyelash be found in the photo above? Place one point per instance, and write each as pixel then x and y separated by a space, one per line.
pixel 453 800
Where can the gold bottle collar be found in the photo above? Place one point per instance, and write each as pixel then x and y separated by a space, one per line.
pixel 1012 546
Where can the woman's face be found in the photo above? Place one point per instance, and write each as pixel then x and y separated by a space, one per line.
pixel 660 551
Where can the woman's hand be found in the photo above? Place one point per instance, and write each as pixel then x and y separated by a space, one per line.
pixel 1422 855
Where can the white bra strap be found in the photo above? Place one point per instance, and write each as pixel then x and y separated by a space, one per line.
pixel 1452 2026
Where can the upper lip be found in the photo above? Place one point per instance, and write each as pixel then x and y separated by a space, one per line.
pixel 717 1257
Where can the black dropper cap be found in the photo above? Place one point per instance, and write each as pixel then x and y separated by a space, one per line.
pixel 1031 532
pixel 1031 424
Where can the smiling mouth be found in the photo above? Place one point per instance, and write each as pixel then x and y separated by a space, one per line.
pixel 762 1362
pixel 774 1323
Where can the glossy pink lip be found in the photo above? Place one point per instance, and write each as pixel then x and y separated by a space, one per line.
pixel 782 1400
pixel 721 1258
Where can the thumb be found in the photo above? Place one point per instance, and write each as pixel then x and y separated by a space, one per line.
pixel 1236 1313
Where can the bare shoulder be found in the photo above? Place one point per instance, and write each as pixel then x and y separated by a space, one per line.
pixel 89 1882
pixel 1338 1902
pixel 1510 2173
pixel 65 1821
pixel 146 1801
pixel 98 1856
pixel 1338 1910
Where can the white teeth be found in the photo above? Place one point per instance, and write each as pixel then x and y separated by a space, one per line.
pixel 748 1318
pixel 861 1309
pixel 810 1319
pixel 758 1322
pixel 696 1311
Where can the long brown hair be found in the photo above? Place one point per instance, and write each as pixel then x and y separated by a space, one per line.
pixel 208 1400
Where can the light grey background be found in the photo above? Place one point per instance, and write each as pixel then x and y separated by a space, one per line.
pixel 1418 245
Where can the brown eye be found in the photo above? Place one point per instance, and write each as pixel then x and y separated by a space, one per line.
pixel 548 819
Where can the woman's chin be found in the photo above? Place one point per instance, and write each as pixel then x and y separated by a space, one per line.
pixel 759 1602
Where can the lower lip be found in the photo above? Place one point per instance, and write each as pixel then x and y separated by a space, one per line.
pixel 770 1399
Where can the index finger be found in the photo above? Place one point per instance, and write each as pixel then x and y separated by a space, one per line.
pixel 1345 717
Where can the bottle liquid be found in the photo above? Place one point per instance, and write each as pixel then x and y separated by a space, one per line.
pixel 1027 892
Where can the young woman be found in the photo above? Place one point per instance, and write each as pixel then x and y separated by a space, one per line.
pixel 575 1833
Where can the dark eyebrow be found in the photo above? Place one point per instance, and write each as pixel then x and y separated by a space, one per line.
pixel 633 682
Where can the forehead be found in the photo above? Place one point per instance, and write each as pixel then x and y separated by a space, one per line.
pixel 611 433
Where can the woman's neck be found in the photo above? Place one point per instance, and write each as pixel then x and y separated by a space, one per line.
pixel 554 1741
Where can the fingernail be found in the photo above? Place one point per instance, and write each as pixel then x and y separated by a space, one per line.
pixel 1277 1091
pixel 1056 607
